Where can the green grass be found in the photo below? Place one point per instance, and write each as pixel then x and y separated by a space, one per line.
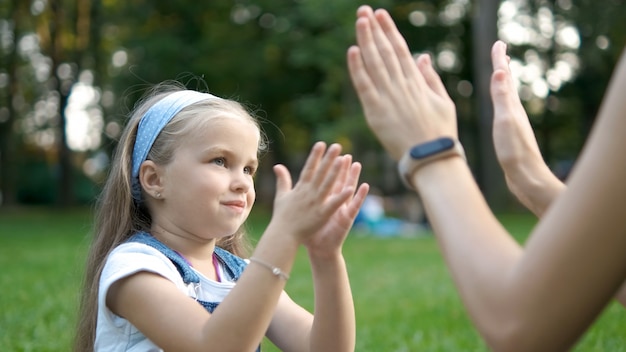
pixel 41 256
pixel 404 297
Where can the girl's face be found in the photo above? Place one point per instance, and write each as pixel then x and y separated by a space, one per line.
pixel 208 186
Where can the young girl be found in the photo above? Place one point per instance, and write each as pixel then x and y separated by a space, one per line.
pixel 165 269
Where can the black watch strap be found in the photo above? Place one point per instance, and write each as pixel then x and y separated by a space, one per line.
pixel 425 153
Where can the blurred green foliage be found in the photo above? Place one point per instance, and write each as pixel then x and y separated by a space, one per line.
pixel 284 59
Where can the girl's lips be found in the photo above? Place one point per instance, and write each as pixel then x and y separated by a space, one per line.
pixel 238 206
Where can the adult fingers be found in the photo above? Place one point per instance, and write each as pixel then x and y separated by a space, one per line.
pixel 373 60
pixel 499 59
pixel 403 59
pixel 503 90
pixel 363 84
pixel 358 74
pixel 431 77
pixel 382 36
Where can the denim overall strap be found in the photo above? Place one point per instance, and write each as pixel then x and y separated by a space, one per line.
pixel 233 265
pixel 188 275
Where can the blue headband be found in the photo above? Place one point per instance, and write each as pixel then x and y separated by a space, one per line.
pixel 151 124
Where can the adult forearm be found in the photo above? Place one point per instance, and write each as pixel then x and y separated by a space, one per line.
pixel 514 294
pixel 481 255
pixel 334 326
pixel 536 188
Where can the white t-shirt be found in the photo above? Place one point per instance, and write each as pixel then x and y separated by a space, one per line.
pixel 114 333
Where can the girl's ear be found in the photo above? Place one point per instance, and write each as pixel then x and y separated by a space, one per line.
pixel 150 179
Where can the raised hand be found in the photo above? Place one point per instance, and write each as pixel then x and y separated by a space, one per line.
pixel 329 239
pixel 305 208
pixel 404 103
pixel 527 175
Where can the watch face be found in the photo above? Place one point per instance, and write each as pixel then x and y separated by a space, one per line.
pixel 431 148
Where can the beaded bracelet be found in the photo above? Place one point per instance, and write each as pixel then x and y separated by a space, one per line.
pixel 275 270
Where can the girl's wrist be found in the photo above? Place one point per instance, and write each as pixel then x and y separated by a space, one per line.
pixel 325 256
pixel 280 237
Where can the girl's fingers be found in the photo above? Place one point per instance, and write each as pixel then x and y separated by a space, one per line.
pixel 310 166
pixel 353 176
pixel 331 177
pixel 357 201
pixel 326 173
pixel 336 200
pixel 361 192
pixel 342 177
pixel 363 11
pixel 327 163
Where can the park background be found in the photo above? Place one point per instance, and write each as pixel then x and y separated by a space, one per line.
pixel 71 70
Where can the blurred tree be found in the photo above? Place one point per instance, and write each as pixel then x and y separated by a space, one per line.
pixel 66 24
pixel 286 60
pixel 564 54
pixel 484 34
pixel 44 54
pixel 11 25
pixel 62 52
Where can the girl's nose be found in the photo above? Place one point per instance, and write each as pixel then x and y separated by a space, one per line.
pixel 241 181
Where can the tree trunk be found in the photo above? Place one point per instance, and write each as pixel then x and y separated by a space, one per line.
pixel 65 194
pixel 485 33
pixel 8 183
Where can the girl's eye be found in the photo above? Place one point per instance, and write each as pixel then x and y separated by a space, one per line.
pixel 219 161
pixel 249 170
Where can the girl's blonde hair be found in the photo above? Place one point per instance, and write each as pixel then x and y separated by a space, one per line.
pixel 118 216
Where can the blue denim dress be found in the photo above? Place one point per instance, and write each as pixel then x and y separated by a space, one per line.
pixel 233 265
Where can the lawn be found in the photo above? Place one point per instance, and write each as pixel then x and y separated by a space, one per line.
pixel 404 297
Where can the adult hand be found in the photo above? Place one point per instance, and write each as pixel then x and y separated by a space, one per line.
pixel 527 175
pixel 404 103
pixel 329 239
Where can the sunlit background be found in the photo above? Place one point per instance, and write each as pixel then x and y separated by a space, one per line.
pixel 303 38
pixel 516 27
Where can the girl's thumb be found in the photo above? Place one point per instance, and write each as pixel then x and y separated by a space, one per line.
pixel 283 179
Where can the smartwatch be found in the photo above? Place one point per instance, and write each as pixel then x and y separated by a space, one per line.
pixel 424 153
